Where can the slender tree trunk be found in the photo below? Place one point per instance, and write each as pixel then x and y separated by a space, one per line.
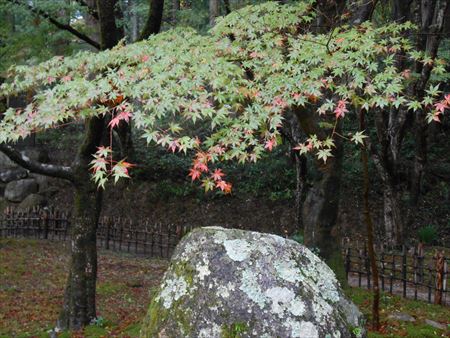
pixel 433 21
pixel 175 9
pixel 134 20
pixel 301 171
pixel 370 232
pixel 214 11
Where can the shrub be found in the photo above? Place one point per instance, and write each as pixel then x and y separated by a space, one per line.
pixel 427 234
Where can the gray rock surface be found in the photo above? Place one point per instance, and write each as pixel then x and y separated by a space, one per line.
pixel 436 325
pixel 16 191
pixel 403 317
pixel 12 174
pixel 42 181
pixel 5 162
pixel 235 283
pixel 33 200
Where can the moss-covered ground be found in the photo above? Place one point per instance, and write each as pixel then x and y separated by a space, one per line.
pixel 33 273
pixel 390 304
pixel 32 279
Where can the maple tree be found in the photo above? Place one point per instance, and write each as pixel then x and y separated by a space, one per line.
pixel 238 82
pixel 240 86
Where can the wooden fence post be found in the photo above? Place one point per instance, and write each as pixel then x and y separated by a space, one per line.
pixel 404 271
pixel 108 232
pixel 45 219
pixel 367 267
pixel 382 268
pixel 440 260
pixel 347 261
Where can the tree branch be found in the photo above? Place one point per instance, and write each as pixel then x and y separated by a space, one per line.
pixel 89 9
pixel 58 24
pixel 24 161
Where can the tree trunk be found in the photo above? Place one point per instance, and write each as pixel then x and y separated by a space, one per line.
pixel 320 211
pixel 79 300
pixel 214 11
pixel 154 19
pixel 370 229
pixel 432 21
pixel 109 33
pixel 295 138
pixel 79 307
pixel 175 9
pixel 321 205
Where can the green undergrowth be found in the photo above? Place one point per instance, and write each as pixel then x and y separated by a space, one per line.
pixel 390 304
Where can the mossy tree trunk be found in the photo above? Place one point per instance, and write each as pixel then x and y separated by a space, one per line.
pixel 79 300
pixel 321 205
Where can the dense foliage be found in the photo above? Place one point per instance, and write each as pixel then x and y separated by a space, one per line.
pixel 239 80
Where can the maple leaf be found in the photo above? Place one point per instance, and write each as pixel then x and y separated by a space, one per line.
pixel 194 174
pixel 218 150
pixel 114 122
pixel 341 109
pixel 270 144
pixel 224 186
pixel 200 165
pixel 440 107
pixel 447 98
pixel 436 117
pixel 217 175
pixel 279 102
pixel 174 145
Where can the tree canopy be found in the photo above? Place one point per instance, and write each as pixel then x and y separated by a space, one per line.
pixel 238 80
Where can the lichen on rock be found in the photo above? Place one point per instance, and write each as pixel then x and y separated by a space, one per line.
pixel 234 283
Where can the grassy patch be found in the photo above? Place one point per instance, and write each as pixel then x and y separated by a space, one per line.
pixel 390 304
pixel 32 280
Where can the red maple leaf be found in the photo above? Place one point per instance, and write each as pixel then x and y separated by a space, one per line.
pixel 224 186
pixel 195 174
pixel 447 98
pixel 199 165
pixel 217 175
pixel 440 106
pixel 341 109
pixel 114 122
pixel 270 144
pixel 278 101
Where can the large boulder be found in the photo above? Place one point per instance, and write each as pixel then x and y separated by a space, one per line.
pixel 16 191
pixel 235 283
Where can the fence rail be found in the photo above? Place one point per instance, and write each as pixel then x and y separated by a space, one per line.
pixel 412 273
pixel 115 233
